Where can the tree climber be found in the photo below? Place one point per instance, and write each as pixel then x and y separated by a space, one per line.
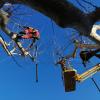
pixel 28 33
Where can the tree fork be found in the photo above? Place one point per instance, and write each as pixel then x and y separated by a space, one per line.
pixel 65 14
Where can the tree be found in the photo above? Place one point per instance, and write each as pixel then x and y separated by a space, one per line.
pixel 65 14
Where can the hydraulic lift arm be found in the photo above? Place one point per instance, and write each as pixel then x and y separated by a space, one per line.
pixel 87 74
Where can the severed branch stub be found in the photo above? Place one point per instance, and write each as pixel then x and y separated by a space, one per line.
pixel 94 33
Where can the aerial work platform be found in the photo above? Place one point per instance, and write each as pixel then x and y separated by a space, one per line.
pixel 69 80
pixel 71 77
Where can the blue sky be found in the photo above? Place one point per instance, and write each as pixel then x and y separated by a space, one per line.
pixel 19 83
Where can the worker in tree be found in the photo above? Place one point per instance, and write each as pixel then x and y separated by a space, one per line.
pixel 28 33
pixel 87 55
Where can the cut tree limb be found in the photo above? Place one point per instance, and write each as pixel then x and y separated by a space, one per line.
pixel 94 32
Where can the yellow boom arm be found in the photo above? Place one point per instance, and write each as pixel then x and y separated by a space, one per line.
pixel 87 74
